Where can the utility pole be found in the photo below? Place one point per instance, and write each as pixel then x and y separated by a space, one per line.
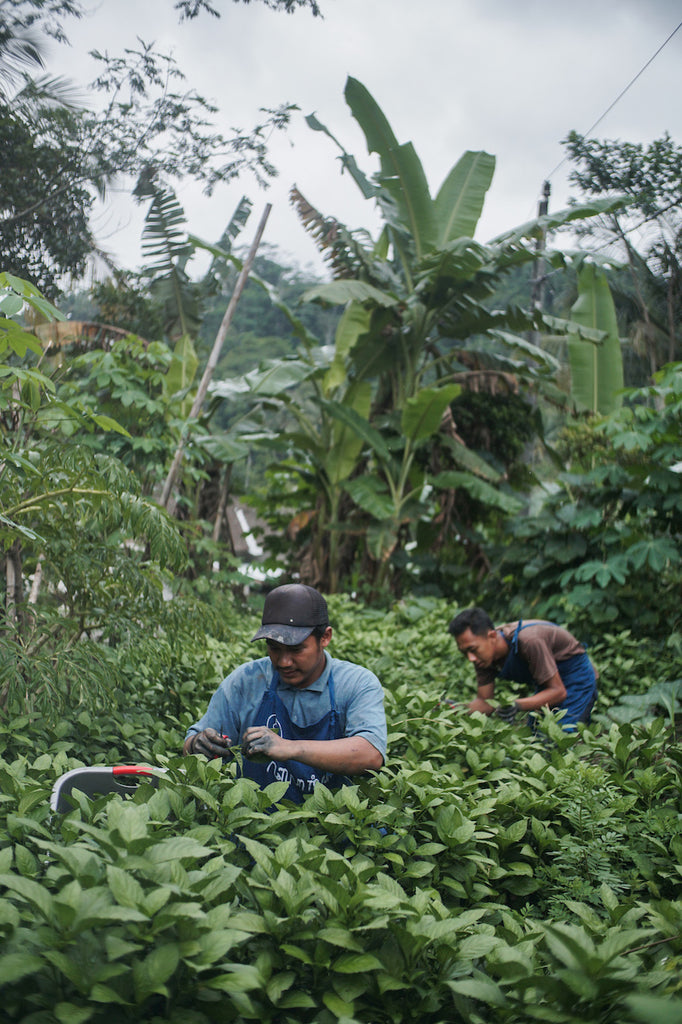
pixel 537 288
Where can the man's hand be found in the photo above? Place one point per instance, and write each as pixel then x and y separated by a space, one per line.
pixel 262 744
pixel 508 712
pixel 209 743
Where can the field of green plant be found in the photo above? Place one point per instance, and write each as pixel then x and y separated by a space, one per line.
pixel 486 874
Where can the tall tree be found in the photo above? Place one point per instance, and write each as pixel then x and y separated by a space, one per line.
pixel 57 157
pixel 646 235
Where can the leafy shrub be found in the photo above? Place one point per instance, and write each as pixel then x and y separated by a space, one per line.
pixel 486 874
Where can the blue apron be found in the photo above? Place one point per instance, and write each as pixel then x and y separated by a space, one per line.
pixel 577 674
pixel 302 778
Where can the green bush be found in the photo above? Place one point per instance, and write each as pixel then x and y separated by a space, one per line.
pixel 486 874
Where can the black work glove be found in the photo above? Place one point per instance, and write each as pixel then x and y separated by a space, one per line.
pixel 209 743
pixel 508 712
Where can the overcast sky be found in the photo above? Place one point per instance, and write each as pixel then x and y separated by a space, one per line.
pixel 511 77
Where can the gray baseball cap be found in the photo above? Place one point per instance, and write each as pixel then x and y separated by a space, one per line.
pixel 291 613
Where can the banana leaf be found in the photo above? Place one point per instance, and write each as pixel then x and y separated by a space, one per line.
pixel 346 442
pixel 596 368
pixel 423 412
pixel 460 199
pixel 402 174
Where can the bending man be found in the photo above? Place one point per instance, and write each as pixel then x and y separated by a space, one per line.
pixel 299 715
pixel 534 653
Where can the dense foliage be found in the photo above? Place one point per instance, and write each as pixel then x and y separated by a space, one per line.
pixel 484 875
pixel 60 155
pixel 370 462
pixel 602 543
pixel 646 237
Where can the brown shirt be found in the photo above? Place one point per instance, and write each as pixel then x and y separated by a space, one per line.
pixel 541 645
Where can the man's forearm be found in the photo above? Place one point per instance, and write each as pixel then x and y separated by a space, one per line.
pixel 347 756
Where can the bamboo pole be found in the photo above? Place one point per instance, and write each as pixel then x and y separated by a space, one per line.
pixel 166 495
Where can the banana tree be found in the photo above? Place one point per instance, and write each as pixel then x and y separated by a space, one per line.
pixel 417 324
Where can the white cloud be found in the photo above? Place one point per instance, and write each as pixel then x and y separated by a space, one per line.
pixel 509 76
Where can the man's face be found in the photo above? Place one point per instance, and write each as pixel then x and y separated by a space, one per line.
pixel 302 664
pixel 480 650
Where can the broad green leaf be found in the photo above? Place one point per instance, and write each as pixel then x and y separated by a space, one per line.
pixel 478 489
pixel 243 978
pixel 459 202
pixel 105 994
pixel 125 888
pixel 340 937
pixel 14 966
pixel 381 539
pixel 19 340
pixel 480 988
pixel 225 447
pixel 423 412
pixel 296 1000
pixel 338 293
pixel 516 831
pixel 11 304
pixel 128 819
pixel 107 423
pixel 349 416
pixel 540 226
pixel 401 171
pixel 30 891
pixel 514 342
pixel 65 964
pixel 339 1007
pixel 70 1013
pixel 151 973
pixel 596 369
pixel 31 295
pixel 371 495
pixel 278 985
pixel 357 963
pixel 346 442
pixel 177 848
pixel 468 459
pixel 355 321
pixel 661 1009
pixel 475 947
pixel 274 379
pixel 571 946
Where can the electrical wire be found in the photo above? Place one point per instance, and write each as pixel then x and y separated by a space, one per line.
pixel 619 96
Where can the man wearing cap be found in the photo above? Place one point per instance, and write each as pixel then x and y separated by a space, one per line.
pixel 534 653
pixel 299 715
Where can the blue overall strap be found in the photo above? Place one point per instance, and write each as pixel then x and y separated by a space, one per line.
pixel 515 667
pixel 301 777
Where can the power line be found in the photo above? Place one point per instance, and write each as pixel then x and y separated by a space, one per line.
pixel 620 95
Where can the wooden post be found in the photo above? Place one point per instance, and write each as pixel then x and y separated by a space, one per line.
pixel 166 495
pixel 537 287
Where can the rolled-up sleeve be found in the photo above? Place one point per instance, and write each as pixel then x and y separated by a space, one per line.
pixel 361 698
